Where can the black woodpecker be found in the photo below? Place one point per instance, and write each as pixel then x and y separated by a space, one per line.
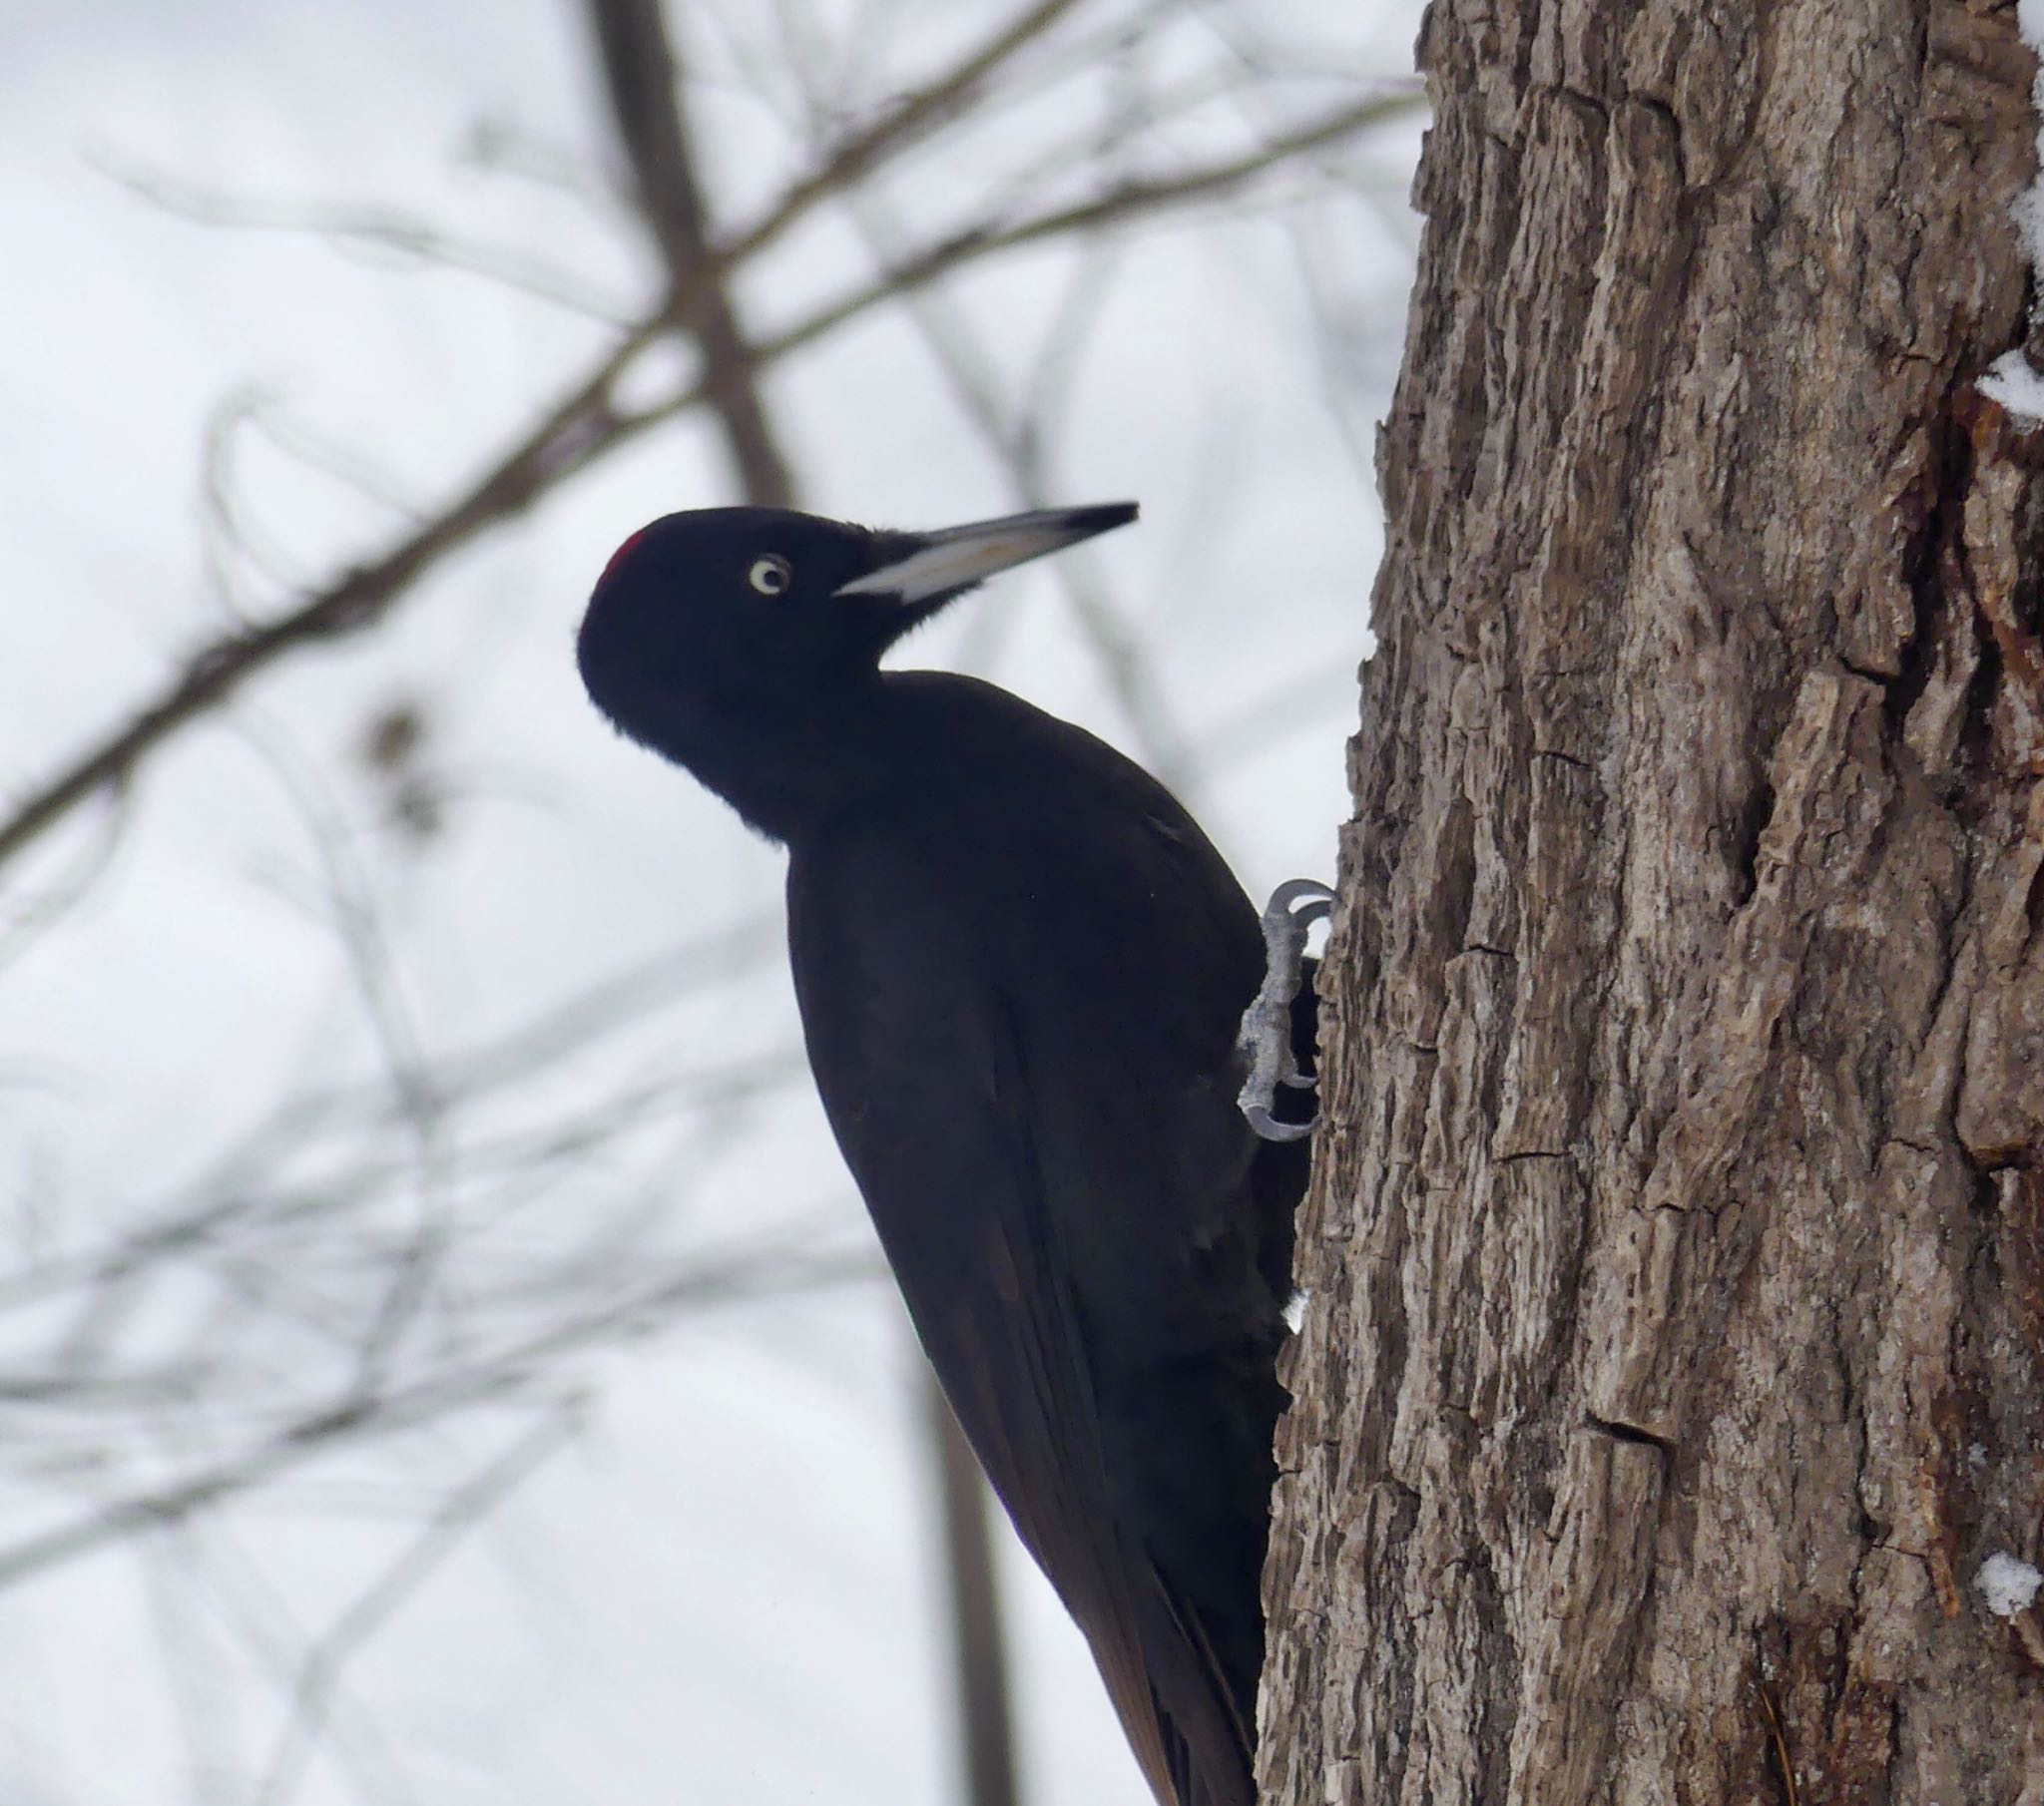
pixel 1021 968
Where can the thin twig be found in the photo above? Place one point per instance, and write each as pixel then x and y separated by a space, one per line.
pixel 975 383
pixel 453 1521
pixel 264 1622
pixel 494 1373
pixel 396 235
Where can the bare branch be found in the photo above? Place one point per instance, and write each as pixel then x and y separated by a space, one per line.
pixel 646 104
pixel 213 673
pixel 568 437
pixel 979 1656
pixel 1126 200
pixel 584 426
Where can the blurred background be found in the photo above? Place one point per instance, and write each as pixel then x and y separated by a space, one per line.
pixel 441 1356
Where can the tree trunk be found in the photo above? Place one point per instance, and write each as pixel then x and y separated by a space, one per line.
pixel 1675 1258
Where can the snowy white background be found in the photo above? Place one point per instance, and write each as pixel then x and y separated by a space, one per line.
pixel 717 1583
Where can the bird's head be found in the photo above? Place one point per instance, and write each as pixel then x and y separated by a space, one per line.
pixel 751 609
pixel 716 634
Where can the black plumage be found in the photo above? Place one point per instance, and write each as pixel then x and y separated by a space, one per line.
pixel 1020 966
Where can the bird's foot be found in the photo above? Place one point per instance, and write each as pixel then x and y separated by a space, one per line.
pixel 1264 1038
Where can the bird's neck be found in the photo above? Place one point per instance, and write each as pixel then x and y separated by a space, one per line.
pixel 789 768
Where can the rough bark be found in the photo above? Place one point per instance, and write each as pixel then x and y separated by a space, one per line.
pixel 1676 1252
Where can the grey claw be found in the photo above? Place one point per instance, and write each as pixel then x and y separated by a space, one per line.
pixel 1318 898
pixel 1272 1130
pixel 1265 1040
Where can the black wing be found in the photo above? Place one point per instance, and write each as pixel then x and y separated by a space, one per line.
pixel 924 1070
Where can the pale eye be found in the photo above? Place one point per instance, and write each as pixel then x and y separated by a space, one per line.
pixel 771 574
